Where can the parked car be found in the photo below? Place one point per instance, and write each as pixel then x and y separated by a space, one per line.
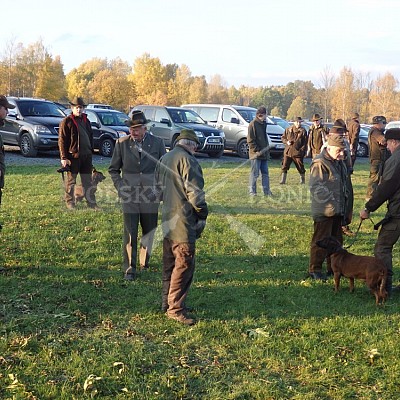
pixel 280 121
pixel 393 124
pixel 32 125
pixel 107 125
pixel 234 121
pixel 363 146
pixel 167 123
pixel 99 106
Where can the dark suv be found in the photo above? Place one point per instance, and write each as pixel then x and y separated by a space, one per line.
pixel 32 125
pixel 167 123
pixel 108 126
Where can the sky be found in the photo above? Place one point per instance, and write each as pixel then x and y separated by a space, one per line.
pixel 259 43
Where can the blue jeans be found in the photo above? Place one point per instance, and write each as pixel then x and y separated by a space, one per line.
pixel 258 166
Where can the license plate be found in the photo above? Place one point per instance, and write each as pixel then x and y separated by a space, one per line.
pixel 211 140
pixel 280 146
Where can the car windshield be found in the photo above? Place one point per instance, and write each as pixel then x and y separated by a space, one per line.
pixel 248 115
pixel 180 115
pixel 33 108
pixel 281 122
pixel 113 118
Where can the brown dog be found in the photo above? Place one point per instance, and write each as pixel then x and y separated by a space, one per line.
pixel 97 177
pixel 369 269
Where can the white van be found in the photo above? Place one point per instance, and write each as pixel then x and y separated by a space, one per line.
pixel 234 121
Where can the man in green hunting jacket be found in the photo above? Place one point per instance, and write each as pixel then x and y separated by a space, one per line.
pixel 132 170
pixel 179 180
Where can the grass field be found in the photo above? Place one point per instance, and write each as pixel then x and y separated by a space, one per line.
pixel 71 328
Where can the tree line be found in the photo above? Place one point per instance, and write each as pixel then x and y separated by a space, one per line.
pixel 33 72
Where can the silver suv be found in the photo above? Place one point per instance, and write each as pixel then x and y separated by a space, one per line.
pixel 234 121
pixel 32 125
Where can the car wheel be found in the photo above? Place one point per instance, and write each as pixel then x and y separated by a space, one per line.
pixel 362 150
pixel 216 154
pixel 26 146
pixel 243 149
pixel 107 147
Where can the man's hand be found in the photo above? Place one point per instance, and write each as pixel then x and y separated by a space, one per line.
pixel 64 163
pixel 364 214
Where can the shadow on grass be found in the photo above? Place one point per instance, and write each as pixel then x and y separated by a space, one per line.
pixel 225 288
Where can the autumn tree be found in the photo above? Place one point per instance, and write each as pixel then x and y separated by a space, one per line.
pixel 150 81
pixel 78 79
pixel 179 86
pixel 343 98
pixel 217 91
pixel 298 108
pixel 383 97
pixel 51 80
pixel 198 91
pixel 325 92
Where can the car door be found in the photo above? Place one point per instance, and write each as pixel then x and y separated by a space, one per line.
pixel 162 126
pixel 10 130
pixel 96 127
pixel 233 127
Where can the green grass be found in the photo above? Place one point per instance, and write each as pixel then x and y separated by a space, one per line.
pixel 71 328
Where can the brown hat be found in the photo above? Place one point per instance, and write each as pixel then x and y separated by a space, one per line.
pixel 336 140
pixel 4 102
pixel 137 119
pixel 392 133
pixel 299 119
pixel 378 119
pixel 340 126
pixel 188 134
pixel 77 101
pixel 316 117
pixel 355 116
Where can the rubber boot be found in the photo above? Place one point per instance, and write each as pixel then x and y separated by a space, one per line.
pixel 283 178
pixel 302 179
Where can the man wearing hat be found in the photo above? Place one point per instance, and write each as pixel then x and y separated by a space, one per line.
pixel 388 190
pixel 75 142
pixel 317 136
pixel 329 188
pixel 295 140
pixel 132 171
pixel 179 180
pixel 4 106
pixel 377 152
pixel 354 132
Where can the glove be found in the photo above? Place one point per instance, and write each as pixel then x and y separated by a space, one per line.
pixel 200 225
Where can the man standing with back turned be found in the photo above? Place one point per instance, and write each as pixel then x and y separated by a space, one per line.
pixel 179 181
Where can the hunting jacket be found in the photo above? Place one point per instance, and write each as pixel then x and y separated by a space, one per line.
pixel 354 132
pixel 298 139
pixel 329 187
pixel 132 170
pixel 68 136
pixel 388 188
pixel 179 178
pixel 317 136
pixel 257 140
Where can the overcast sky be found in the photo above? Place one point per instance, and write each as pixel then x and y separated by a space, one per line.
pixel 260 42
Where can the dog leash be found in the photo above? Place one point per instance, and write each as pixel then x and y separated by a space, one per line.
pixel 356 233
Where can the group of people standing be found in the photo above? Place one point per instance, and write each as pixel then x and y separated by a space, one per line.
pixel 143 175
pixel 334 152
